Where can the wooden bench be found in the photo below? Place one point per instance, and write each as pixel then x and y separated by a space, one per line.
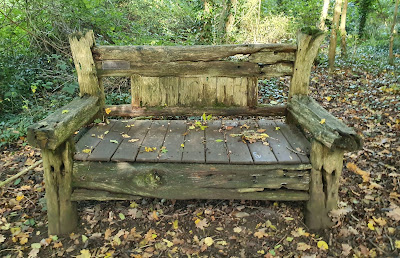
pixel 263 159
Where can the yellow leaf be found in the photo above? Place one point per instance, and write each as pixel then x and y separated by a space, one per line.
pixel 175 224
pixel 125 135
pixel 87 151
pixel 353 168
pixel 65 111
pixel 371 226
pixel 397 244
pixel 322 245
pixel 182 145
pixel 133 140
pixel 108 110
pixel 329 98
pixel 19 197
pixel 208 241
pixel 322 121
pixel 84 254
pixel 169 243
pixel 277 128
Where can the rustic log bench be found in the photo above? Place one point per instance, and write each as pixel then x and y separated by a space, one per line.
pixel 263 159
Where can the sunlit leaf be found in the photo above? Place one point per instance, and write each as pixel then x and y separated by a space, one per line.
pixel 108 110
pixel 322 245
pixel 208 241
pixel 65 111
pixel 322 121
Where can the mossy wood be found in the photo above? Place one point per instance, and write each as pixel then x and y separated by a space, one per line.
pixel 194 181
pixel 190 80
pixel 60 125
pixel 323 126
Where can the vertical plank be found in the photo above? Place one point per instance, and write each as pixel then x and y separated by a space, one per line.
pixel 150 91
pixel 106 148
pixel 216 151
pixel 261 153
pixel 225 90
pixel 296 140
pixel 90 140
pixel 239 91
pixel 169 88
pixel 173 140
pixel 154 138
pixel 209 90
pixel 136 82
pixel 190 91
pixel 238 151
pixel 129 147
pixel 252 91
pixel 279 143
pixel 193 150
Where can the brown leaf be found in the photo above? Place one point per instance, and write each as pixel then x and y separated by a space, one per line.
pixel 346 249
pixel 201 224
pixel 353 168
pixel 394 213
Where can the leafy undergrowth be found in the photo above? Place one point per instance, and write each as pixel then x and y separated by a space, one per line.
pixel 367 220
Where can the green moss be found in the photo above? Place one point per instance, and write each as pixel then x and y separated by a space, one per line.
pixel 313 31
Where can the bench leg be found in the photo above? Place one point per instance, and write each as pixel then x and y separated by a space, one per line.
pixel 61 212
pixel 326 170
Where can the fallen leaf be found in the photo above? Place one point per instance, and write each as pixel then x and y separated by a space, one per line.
pixel 121 216
pixel 84 238
pixel 87 151
pixel 169 243
pixel 346 249
pixel 133 140
pixel 2 238
pixel 114 141
pixel 322 245
pixel 397 244
pixel 208 241
pixel 36 245
pixel 182 145
pixel 353 168
pixel 394 213
pixel 261 130
pixel 380 221
pixel 108 110
pixel 201 224
pixel 302 246
pixel 241 214
pixel 84 254
pixel 33 253
pixel 329 98
pixel 237 229
pixel 261 233
pixel 219 140
pixel 175 224
pixel 124 135
pixel 65 111
pixel 322 121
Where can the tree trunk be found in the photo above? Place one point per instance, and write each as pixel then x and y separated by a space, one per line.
pixel 332 43
pixel 61 211
pixel 324 14
pixel 392 32
pixel 343 34
pixel 365 7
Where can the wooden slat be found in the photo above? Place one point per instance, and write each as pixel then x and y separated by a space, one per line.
pixel 237 150
pixel 297 140
pixel 90 140
pixel 193 150
pixel 261 153
pixel 128 150
pixel 106 148
pixel 154 138
pixel 128 111
pixel 279 143
pixel 216 151
pixel 173 140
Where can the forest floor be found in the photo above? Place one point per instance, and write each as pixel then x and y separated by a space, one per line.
pixel 367 220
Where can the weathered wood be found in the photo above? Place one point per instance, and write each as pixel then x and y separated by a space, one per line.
pixel 172 142
pixel 58 167
pixel 90 140
pixel 238 150
pixel 196 69
pixel 92 195
pixel 85 67
pixel 129 147
pixel 154 139
pixel 194 149
pixel 188 53
pixel 261 153
pixel 216 151
pixel 308 44
pixel 128 111
pixel 60 125
pixel 299 143
pixel 333 133
pixel 327 165
pixel 271 57
pixel 195 181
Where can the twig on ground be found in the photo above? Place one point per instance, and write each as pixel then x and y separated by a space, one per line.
pixel 24 171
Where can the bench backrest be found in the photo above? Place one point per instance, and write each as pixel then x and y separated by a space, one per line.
pixel 202 75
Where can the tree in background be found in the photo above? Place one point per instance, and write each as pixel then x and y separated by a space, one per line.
pixel 342 28
pixel 332 41
pixel 365 7
pixel 324 15
pixel 392 32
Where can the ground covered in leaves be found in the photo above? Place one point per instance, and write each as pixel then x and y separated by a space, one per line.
pixel 367 220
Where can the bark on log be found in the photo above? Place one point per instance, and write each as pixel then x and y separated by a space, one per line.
pixel 201 68
pixel 58 167
pixel 327 165
pixel 333 133
pixel 308 43
pixel 166 54
pixel 128 111
pixel 92 195
pixel 84 64
pixel 196 181
pixel 52 131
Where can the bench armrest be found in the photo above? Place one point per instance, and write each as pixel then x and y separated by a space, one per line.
pixel 60 125
pixel 331 132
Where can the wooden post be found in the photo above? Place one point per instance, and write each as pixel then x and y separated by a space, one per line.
pixel 308 43
pixel 326 169
pixel 61 211
pixel 85 67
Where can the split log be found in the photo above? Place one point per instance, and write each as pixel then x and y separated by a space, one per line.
pixel 92 195
pixel 165 54
pixel 333 133
pixel 327 165
pixel 58 167
pixel 308 43
pixel 128 111
pixel 52 131
pixel 195 181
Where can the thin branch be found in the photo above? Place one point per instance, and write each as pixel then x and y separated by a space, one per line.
pixel 21 173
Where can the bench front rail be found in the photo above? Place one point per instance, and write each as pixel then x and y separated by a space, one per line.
pixel 263 159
